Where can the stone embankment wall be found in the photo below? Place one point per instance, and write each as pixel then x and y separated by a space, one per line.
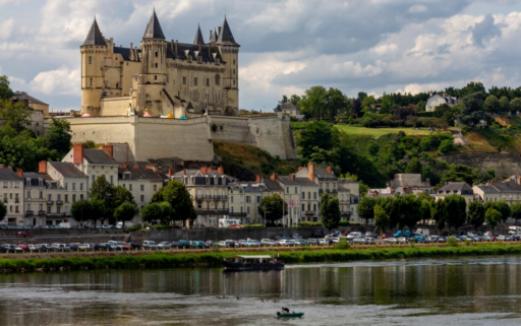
pixel 191 140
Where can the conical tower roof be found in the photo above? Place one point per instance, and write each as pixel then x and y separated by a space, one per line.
pixel 226 36
pixel 153 29
pixel 94 37
pixel 198 39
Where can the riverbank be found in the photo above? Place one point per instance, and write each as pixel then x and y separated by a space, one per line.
pixel 215 258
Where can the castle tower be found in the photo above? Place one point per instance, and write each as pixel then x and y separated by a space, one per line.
pixel 93 51
pixel 230 53
pixel 152 80
pixel 198 39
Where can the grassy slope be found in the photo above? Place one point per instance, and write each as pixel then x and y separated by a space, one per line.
pixel 250 158
pixel 378 132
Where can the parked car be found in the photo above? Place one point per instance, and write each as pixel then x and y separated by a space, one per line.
pixel 183 244
pixel 164 245
pixel 149 244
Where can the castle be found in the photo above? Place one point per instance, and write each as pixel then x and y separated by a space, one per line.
pixel 168 99
pixel 160 78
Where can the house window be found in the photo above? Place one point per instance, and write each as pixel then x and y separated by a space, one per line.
pixel 155 188
pixel 248 199
pixel 130 187
pixel 142 187
pixel 74 186
pixel 81 186
pixel 142 197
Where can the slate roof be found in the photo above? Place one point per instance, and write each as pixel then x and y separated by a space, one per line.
pixel 153 29
pixel 23 96
pixel 509 186
pixel 249 187
pixel 296 181
pixel 272 185
pixel 97 156
pixel 139 171
pixel 198 39
pixel 176 50
pixel 226 36
pixel 68 170
pixel 456 187
pixel 7 174
pixel 94 37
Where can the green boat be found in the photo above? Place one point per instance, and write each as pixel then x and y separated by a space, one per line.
pixel 291 314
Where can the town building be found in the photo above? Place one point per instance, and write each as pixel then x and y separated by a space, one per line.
pixel 12 195
pixel 437 100
pixel 302 197
pixel 508 190
pixel 94 162
pixel 287 108
pixel 409 183
pixel 208 189
pixel 142 180
pixel 460 188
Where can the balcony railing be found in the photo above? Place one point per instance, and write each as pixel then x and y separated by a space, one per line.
pixel 211 197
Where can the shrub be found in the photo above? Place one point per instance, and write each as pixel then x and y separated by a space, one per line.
pixel 452 241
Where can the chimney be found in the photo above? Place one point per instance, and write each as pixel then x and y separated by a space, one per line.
pixel 42 167
pixel 311 171
pixel 151 166
pixel 108 149
pixel 274 176
pixel 329 169
pixel 77 154
pixel 20 172
pixel 203 170
pixel 258 179
pixel 220 170
pixel 170 172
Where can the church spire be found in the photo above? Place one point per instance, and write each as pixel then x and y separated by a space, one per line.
pixel 94 37
pixel 198 39
pixel 153 30
pixel 225 35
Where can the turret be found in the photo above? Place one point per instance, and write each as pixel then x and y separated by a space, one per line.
pixel 230 53
pixel 93 51
pixel 198 39
pixel 153 67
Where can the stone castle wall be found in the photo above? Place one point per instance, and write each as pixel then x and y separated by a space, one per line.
pixel 191 140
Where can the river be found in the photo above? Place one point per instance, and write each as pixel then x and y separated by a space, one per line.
pixel 456 291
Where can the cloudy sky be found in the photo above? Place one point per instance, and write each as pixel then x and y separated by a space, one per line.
pixel 286 45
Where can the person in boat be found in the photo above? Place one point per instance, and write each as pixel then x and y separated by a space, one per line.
pixel 285 309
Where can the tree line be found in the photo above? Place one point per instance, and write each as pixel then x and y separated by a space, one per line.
pixel 451 212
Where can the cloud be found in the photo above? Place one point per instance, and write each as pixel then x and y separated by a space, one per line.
pixel 6 28
pixel 485 30
pixel 61 81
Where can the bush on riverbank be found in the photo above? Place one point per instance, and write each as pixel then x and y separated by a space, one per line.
pixel 216 258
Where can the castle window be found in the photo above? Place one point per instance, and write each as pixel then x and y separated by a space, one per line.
pixel 155 65
pixel 195 81
pixel 184 80
pixel 90 60
pixel 156 54
pixel 207 82
pixel 217 79
pixel 155 77
pixel 90 82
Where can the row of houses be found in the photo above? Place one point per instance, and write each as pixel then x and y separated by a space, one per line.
pixel 45 197
pixel 508 190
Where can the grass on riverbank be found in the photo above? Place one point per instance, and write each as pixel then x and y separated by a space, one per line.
pixel 216 258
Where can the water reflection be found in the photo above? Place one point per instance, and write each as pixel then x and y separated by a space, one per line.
pixel 402 291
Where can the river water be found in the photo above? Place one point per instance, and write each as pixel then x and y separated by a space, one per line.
pixel 459 291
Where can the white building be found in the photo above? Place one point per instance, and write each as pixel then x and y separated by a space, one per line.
pixel 11 195
pixel 437 100
pixel 142 180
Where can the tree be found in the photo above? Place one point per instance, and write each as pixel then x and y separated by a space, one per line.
pixel 177 196
pixel 122 195
pixel 125 212
pixel 456 210
pixel 81 210
pixel 502 207
pixel 366 208
pixel 14 115
pixel 515 105
pixel 319 103
pixel 492 217
pixel 404 211
pixel 381 217
pixel 152 213
pixel 329 211
pixel 439 213
pixel 472 113
pixel 516 211
pixel 5 91
pixel 504 104
pixel 491 104
pixel 476 214
pixel 101 190
pixel 316 135
pixel 58 136
pixel 3 211
pixel 271 208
